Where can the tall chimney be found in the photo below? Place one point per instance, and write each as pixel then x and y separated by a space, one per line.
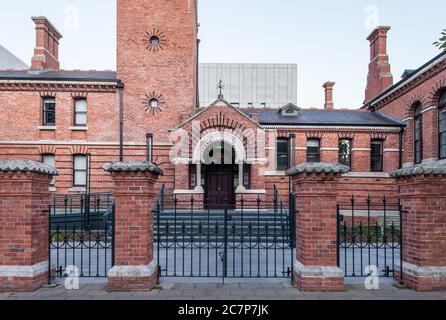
pixel 380 76
pixel 329 104
pixel 46 52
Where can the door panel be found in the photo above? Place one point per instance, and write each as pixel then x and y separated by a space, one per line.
pixel 219 186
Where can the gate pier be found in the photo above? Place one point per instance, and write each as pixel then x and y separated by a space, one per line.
pixel 135 268
pixel 315 190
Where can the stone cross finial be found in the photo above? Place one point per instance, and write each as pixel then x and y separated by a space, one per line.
pixel 220 88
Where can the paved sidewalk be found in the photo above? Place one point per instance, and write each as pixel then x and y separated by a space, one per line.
pixel 257 292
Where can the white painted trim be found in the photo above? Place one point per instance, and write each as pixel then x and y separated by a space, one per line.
pixel 47 128
pixel 329 149
pixel 344 128
pixel 275 173
pixel 252 191
pixel 256 160
pixel 301 148
pixel 133 271
pixel 78 128
pixel 77 189
pixel 186 192
pixel 52 189
pixel 366 175
pixel 317 271
pixel 84 143
pixel 391 150
pixel 429 109
pixel 181 161
pixel 407 119
pixel 24 271
pixel 361 149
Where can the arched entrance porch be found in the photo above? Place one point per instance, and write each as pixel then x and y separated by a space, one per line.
pixel 220 170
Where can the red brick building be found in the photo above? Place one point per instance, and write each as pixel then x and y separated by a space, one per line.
pixel 59 116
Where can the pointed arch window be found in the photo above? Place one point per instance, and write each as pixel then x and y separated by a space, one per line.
pixel 418 133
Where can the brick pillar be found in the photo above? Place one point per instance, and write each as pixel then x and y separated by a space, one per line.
pixel 135 268
pixel 24 204
pixel 422 190
pixel 315 189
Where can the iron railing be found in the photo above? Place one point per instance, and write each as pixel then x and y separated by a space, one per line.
pixel 252 240
pixel 81 235
pixel 369 236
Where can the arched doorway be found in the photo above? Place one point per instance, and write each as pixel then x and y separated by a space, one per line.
pixel 220 169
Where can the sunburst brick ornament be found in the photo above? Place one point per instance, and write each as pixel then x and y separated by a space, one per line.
pixel 154 40
pixel 153 102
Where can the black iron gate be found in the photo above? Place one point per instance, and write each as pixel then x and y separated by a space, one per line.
pixel 370 237
pixel 254 240
pixel 81 235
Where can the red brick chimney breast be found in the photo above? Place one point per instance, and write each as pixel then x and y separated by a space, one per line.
pixel 329 104
pixel 380 76
pixel 46 52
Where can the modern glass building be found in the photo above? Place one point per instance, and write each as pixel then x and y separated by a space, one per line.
pixel 257 85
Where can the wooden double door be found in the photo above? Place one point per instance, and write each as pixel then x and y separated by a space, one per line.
pixel 219 186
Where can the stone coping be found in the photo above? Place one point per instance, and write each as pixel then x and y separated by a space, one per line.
pixel 425 169
pixel 322 167
pixel 27 166
pixel 133 166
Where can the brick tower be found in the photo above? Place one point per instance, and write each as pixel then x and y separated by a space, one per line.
pixel 157 62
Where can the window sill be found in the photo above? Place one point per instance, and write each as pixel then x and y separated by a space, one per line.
pixel 78 128
pixel 47 128
pixel 52 189
pixel 78 189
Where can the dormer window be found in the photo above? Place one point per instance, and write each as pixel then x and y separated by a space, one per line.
pixel 289 110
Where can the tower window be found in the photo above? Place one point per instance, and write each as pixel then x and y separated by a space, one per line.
pixel 80 170
pixel 154 41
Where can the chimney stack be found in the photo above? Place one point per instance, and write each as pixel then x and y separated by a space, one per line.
pixel 380 76
pixel 329 104
pixel 46 52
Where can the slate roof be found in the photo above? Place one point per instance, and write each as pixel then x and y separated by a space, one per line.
pixel 62 75
pixel 325 117
pixel 10 61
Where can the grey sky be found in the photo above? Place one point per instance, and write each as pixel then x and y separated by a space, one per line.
pixel 325 38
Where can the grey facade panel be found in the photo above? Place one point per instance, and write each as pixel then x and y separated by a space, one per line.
pixel 273 85
pixel 8 61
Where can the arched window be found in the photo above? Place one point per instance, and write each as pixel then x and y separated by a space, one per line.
pixel 418 133
pixel 442 126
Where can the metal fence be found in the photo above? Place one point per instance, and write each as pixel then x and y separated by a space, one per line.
pixel 369 237
pixel 81 235
pixel 254 240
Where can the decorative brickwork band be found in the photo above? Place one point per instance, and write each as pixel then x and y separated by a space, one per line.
pixel 135 268
pixel 315 190
pixel 24 203
pixel 423 197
